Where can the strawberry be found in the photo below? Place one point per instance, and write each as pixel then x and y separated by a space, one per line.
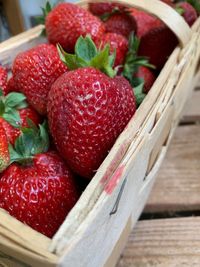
pixel 4 152
pixel 118 44
pixel 188 12
pixel 15 114
pixel 101 8
pixel 66 22
pixel 3 80
pixel 34 71
pixel 147 76
pixel 12 86
pixel 157 41
pixel 120 23
pixel 87 110
pixel 37 188
pixel 137 70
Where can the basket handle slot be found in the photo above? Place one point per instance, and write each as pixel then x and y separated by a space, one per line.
pixel 161 10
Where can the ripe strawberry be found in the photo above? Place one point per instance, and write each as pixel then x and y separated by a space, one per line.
pixel 188 12
pixel 3 80
pixel 4 152
pixel 12 86
pixel 118 44
pixel 34 71
pixel 121 23
pixel 102 8
pixel 67 21
pixel 15 114
pixel 87 110
pixel 157 41
pixel 137 70
pixel 147 76
pixel 38 189
pixel 144 21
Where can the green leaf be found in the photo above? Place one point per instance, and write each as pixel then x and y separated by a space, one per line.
pixel 12 116
pixel 2 107
pixel 102 62
pixel 85 48
pixel 32 141
pixel 112 58
pixel 1 92
pixel 41 141
pixel 14 156
pixel 14 100
pixel 87 55
pixel 139 95
pixel 69 60
pixel 107 15
pixel 133 61
pixel 180 10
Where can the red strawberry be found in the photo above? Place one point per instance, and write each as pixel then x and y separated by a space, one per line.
pixel 157 41
pixel 3 80
pixel 144 21
pixel 15 113
pixel 147 76
pixel 121 23
pixel 67 21
pixel 101 8
pixel 117 43
pixel 137 71
pixel 12 86
pixel 34 71
pixel 188 12
pixel 87 110
pixel 40 191
pixel 24 114
pixel 4 152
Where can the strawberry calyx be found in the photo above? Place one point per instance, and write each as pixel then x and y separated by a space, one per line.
pixel 45 11
pixel 32 141
pixel 107 15
pixel 131 66
pixel 87 55
pixel 10 106
pixel 179 9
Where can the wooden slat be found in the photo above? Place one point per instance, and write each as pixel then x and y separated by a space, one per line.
pixel 163 243
pixel 177 187
pixel 192 108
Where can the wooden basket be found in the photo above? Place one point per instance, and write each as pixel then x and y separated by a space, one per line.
pixel 96 229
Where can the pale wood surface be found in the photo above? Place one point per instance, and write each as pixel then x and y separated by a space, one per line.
pixel 163 243
pixel 172 242
pixel 192 108
pixel 178 184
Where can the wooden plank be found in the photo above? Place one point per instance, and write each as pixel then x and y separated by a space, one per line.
pixel 163 243
pixel 177 187
pixel 192 109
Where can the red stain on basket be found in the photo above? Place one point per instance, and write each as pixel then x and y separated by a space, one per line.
pixel 114 181
pixel 113 164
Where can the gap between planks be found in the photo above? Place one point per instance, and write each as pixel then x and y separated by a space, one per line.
pixel 163 243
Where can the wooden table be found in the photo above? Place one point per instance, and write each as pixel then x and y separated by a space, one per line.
pixel 168 233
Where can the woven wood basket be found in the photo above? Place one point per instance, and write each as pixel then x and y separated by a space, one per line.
pixel 95 231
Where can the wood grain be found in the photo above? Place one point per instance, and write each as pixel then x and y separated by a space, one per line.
pixel 192 108
pixel 163 243
pixel 178 184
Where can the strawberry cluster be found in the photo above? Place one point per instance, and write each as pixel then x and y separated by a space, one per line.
pixel 68 100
